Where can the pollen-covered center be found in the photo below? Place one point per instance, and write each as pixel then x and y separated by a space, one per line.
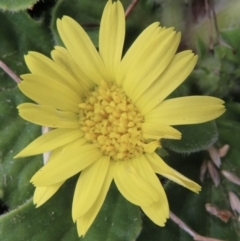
pixel 112 122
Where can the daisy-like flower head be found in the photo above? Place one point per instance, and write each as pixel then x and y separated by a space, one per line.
pixel 108 114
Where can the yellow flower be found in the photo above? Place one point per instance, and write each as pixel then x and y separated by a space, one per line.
pixel 109 113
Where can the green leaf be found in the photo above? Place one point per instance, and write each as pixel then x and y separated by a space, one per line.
pixel 118 219
pixel 232 114
pixel 18 36
pixel 16 5
pixel 15 134
pixel 194 138
pixel 53 221
pixel 232 37
pixel 201 48
pixel 227 54
pixel 48 222
pixel 218 74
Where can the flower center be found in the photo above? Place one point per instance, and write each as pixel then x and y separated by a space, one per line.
pixel 112 122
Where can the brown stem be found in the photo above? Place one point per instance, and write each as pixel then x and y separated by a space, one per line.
pixel 9 72
pixel 215 20
pixel 190 231
pixel 209 24
pixel 130 7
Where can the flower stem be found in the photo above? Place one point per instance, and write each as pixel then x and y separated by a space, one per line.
pixel 190 231
pixel 9 72
pixel 207 7
pixel 130 7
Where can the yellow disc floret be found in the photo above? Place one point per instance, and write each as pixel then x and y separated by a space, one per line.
pixel 112 122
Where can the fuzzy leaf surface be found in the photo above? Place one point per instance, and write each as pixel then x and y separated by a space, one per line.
pixel 16 5
pixel 194 138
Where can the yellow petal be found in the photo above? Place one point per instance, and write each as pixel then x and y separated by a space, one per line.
pixel 160 167
pixel 146 172
pixel 57 153
pixel 151 146
pixel 81 49
pixel 135 50
pixel 50 141
pixel 63 166
pixel 84 223
pixel 158 54
pixel 132 186
pixel 186 110
pixel 68 148
pixel 158 60
pixel 176 72
pixel 41 65
pixel 47 116
pixel 50 92
pixel 156 212
pixel 42 194
pixel 111 36
pixel 89 186
pixel 62 57
pixel 156 131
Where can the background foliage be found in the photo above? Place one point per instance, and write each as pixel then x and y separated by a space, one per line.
pixel 28 25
